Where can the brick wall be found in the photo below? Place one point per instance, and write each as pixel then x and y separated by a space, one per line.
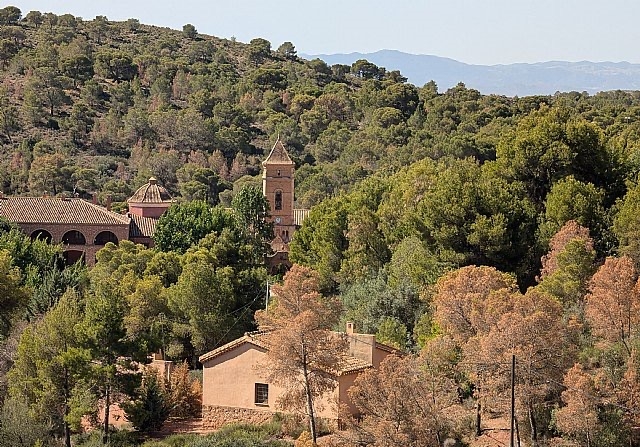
pixel 89 232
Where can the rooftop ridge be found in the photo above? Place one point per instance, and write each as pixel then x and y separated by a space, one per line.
pixel 123 218
pixel 347 364
pixel 56 210
pixel 142 226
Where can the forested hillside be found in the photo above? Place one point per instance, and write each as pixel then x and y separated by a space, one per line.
pixel 463 226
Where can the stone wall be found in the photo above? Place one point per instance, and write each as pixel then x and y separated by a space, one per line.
pixel 214 417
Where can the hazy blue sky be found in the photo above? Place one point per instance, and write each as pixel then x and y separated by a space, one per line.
pixel 472 31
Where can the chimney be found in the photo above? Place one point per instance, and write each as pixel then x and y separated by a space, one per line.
pixel 108 206
pixel 361 346
pixel 349 328
pixel 94 198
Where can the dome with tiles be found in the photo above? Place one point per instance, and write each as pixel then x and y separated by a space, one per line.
pixel 151 192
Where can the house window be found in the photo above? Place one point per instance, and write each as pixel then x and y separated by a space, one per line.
pixel 278 201
pixel 262 394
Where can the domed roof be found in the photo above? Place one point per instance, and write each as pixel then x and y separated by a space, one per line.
pixel 151 192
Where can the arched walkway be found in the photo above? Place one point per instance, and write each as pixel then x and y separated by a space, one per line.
pixel 73 256
pixel 74 237
pixel 105 236
pixel 42 235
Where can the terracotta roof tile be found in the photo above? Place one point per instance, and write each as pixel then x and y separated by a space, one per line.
pixel 49 210
pixel 249 337
pixel 278 245
pixel 388 348
pixel 278 155
pixel 151 192
pixel 347 365
pixel 142 226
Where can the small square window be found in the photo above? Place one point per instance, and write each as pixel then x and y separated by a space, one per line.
pixel 262 394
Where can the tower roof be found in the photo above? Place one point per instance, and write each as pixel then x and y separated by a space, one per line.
pixel 278 155
pixel 151 192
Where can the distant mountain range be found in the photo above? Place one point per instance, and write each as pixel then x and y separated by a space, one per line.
pixel 544 78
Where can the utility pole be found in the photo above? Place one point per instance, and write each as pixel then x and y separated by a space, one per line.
pixel 513 398
pixel 266 299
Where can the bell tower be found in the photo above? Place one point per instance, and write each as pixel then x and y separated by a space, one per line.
pixel 277 186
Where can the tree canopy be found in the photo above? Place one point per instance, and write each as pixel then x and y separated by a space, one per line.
pixel 470 226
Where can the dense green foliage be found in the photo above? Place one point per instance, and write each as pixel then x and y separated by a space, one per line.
pixel 137 301
pixel 409 188
pixel 186 223
pixel 151 408
pixel 97 106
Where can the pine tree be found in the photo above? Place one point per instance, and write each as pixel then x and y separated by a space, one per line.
pixel 150 408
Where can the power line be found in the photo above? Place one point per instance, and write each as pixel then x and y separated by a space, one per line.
pixel 246 307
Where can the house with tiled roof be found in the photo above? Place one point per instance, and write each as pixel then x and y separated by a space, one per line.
pixel 84 227
pixel 234 387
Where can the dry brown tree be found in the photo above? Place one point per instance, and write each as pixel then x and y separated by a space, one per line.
pixel 303 353
pixel 399 405
pixel 532 329
pixel 460 297
pixel 579 417
pixel 613 303
pixel 570 231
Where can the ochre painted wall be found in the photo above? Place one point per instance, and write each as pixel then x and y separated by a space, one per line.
pixel 229 379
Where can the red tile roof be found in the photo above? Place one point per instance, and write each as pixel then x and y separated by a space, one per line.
pixel 249 337
pixel 49 210
pixel 348 364
pixel 278 245
pixel 142 226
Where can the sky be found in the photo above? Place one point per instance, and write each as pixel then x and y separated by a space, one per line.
pixel 472 31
